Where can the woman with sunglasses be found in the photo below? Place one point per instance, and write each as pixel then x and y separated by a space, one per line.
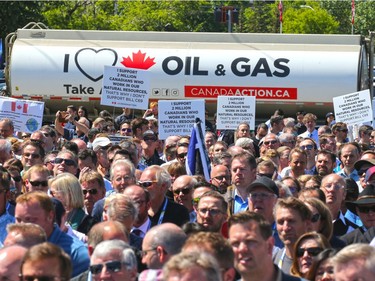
pixel 308 246
pixel 66 188
pixel 321 221
pixel 322 267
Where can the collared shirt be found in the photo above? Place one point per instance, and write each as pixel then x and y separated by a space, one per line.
pixel 354 174
pixel 353 218
pixel 193 216
pixel 313 135
pixel 5 219
pixel 144 227
pixel 239 203
pixel 73 247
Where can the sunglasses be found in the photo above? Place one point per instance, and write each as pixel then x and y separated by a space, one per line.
pixel 181 155
pixel 146 184
pixel 90 191
pixel 342 130
pixel 39 278
pixel 184 191
pixel 39 183
pixel 315 217
pixel 68 162
pixel 270 142
pixel 265 175
pixel 313 251
pixel 149 139
pixel 366 210
pixel 17 178
pixel 111 266
pixel 128 130
pixel 37 141
pixel 33 155
pixel 307 147
pixel 221 178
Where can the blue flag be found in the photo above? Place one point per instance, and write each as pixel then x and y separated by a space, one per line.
pixel 197 161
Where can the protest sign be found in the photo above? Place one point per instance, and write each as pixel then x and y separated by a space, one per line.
pixel 354 108
pixel 177 117
pixel 233 110
pixel 123 87
pixel 27 115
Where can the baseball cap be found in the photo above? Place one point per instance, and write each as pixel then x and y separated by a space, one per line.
pixel 149 133
pixel 360 163
pixel 329 114
pixel 266 183
pixel 100 142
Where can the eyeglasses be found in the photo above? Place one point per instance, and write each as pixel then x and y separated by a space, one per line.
pixel 33 155
pixel 184 191
pixel 212 212
pixel 39 183
pixel 313 251
pixel 146 184
pixel 37 141
pixel 125 178
pixel 128 130
pixel 270 142
pixel 39 278
pixel 143 253
pixel 261 196
pixel 342 130
pixel 315 217
pixel 182 155
pixel 221 178
pixel 90 191
pixel 307 147
pixel 366 209
pixel 68 162
pixel 149 139
pixel 111 266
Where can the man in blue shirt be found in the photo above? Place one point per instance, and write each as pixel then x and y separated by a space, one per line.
pixel 38 208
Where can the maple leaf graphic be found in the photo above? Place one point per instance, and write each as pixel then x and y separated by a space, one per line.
pixel 138 61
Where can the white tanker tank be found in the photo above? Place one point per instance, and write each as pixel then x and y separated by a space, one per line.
pixel 292 72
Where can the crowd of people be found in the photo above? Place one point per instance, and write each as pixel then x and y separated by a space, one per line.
pixel 289 201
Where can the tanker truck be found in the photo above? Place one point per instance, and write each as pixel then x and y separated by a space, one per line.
pixel 292 72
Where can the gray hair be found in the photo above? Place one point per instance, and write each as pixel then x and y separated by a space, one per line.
pixel 356 251
pixel 243 142
pixel 162 176
pixel 120 207
pixel 282 186
pixel 169 236
pixel 5 146
pixel 124 163
pixel 185 261
pixel 124 251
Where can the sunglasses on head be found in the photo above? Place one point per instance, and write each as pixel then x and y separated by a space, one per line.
pixel 146 184
pixel 68 162
pixel 366 209
pixel 90 191
pixel 184 191
pixel 111 266
pixel 313 251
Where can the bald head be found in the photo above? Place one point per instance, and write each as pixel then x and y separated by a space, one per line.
pixel 10 260
pixel 107 230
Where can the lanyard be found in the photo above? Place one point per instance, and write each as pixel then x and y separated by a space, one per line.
pixel 280 263
pixel 163 211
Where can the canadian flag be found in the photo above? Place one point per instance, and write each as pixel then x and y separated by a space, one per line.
pixel 19 107
pixel 280 11
pixel 353 11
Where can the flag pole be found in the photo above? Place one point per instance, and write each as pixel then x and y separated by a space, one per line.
pixel 280 7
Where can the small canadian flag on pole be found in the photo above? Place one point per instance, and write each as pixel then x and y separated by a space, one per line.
pixel 353 11
pixel 19 107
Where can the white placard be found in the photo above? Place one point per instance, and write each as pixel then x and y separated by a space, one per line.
pixel 124 87
pixel 178 117
pixel 27 115
pixel 231 111
pixel 354 108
